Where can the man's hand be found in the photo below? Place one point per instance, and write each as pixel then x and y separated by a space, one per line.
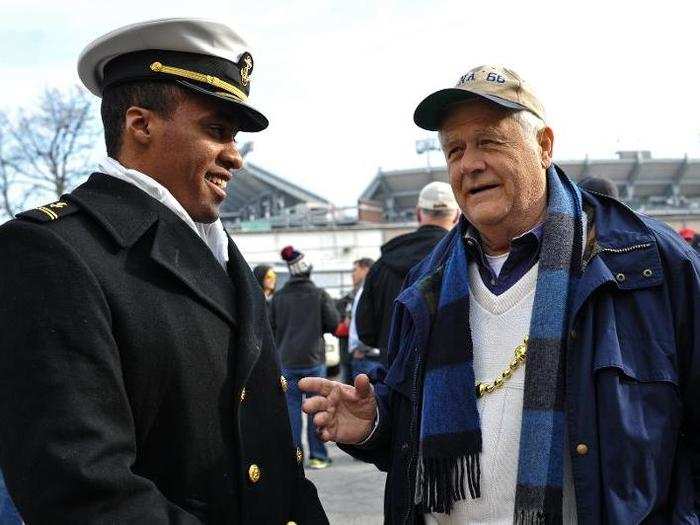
pixel 344 414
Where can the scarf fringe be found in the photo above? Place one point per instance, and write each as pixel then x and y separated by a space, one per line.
pixel 444 481
pixel 537 517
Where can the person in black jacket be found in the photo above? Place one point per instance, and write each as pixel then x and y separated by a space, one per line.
pixel 138 377
pixel 437 212
pixel 301 313
pixel 601 185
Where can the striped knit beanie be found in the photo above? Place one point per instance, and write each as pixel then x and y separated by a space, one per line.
pixel 295 261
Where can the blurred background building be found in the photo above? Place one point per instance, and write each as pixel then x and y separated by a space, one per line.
pixel 265 212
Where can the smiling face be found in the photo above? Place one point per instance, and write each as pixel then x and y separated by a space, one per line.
pixel 192 154
pixel 496 169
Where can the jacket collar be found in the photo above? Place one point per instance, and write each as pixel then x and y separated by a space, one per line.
pixel 297 279
pixel 122 209
pixel 623 246
pixel 622 251
pixel 616 225
pixel 127 213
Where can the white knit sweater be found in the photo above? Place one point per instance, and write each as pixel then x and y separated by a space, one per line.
pixel 498 324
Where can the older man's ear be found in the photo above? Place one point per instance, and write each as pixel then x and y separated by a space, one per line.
pixel 546 141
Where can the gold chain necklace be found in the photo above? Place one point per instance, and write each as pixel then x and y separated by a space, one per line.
pixel 519 355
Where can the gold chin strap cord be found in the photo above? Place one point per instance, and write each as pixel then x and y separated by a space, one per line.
pixel 519 355
pixel 230 89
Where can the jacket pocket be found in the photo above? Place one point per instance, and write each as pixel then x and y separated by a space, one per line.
pixel 637 386
pixel 639 416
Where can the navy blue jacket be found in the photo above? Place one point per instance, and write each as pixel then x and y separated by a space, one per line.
pixel 633 375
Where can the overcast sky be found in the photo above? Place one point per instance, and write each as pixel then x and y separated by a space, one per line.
pixel 339 80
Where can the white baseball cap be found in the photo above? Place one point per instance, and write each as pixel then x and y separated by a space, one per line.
pixel 437 196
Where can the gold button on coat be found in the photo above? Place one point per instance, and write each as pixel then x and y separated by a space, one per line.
pixel 254 473
pixel 582 449
pixel 291 523
pixel 283 384
pixel 300 455
pixel 243 395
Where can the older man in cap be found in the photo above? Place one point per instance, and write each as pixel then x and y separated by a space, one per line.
pixel 138 379
pixel 436 212
pixel 545 359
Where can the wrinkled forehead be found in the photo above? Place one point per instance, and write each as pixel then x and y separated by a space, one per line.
pixel 473 112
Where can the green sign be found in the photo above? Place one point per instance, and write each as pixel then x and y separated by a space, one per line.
pixel 257 225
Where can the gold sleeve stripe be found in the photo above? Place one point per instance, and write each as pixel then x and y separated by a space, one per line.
pixel 52 214
pixel 200 77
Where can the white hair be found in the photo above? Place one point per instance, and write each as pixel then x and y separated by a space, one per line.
pixel 530 123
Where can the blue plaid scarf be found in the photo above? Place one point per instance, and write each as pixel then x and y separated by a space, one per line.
pixel 450 433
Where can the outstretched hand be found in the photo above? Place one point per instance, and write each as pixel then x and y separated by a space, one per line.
pixel 344 414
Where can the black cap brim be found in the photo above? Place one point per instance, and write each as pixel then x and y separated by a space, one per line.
pixel 251 120
pixel 431 110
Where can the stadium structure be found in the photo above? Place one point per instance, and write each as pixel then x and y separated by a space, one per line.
pixel 668 189
pixel 260 199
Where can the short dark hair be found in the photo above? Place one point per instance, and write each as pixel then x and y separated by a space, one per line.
pixel 600 185
pixel 365 262
pixel 260 271
pixel 163 98
pixel 438 214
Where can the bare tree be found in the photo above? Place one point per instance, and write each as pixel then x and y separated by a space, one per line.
pixel 44 152
pixel 7 174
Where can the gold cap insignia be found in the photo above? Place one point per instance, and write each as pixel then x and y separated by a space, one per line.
pixel 227 87
pixel 247 69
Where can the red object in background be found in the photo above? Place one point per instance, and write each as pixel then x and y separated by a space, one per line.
pixel 687 233
pixel 287 253
pixel 343 329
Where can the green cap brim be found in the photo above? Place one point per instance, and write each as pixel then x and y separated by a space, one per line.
pixel 431 110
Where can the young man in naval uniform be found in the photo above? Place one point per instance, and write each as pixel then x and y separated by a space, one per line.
pixel 138 382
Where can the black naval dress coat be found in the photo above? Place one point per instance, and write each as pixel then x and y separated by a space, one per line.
pixel 138 380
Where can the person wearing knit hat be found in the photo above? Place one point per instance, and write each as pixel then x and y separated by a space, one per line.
pixel 300 314
pixel 295 261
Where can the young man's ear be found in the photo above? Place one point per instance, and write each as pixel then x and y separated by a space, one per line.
pixel 138 125
pixel 546 140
